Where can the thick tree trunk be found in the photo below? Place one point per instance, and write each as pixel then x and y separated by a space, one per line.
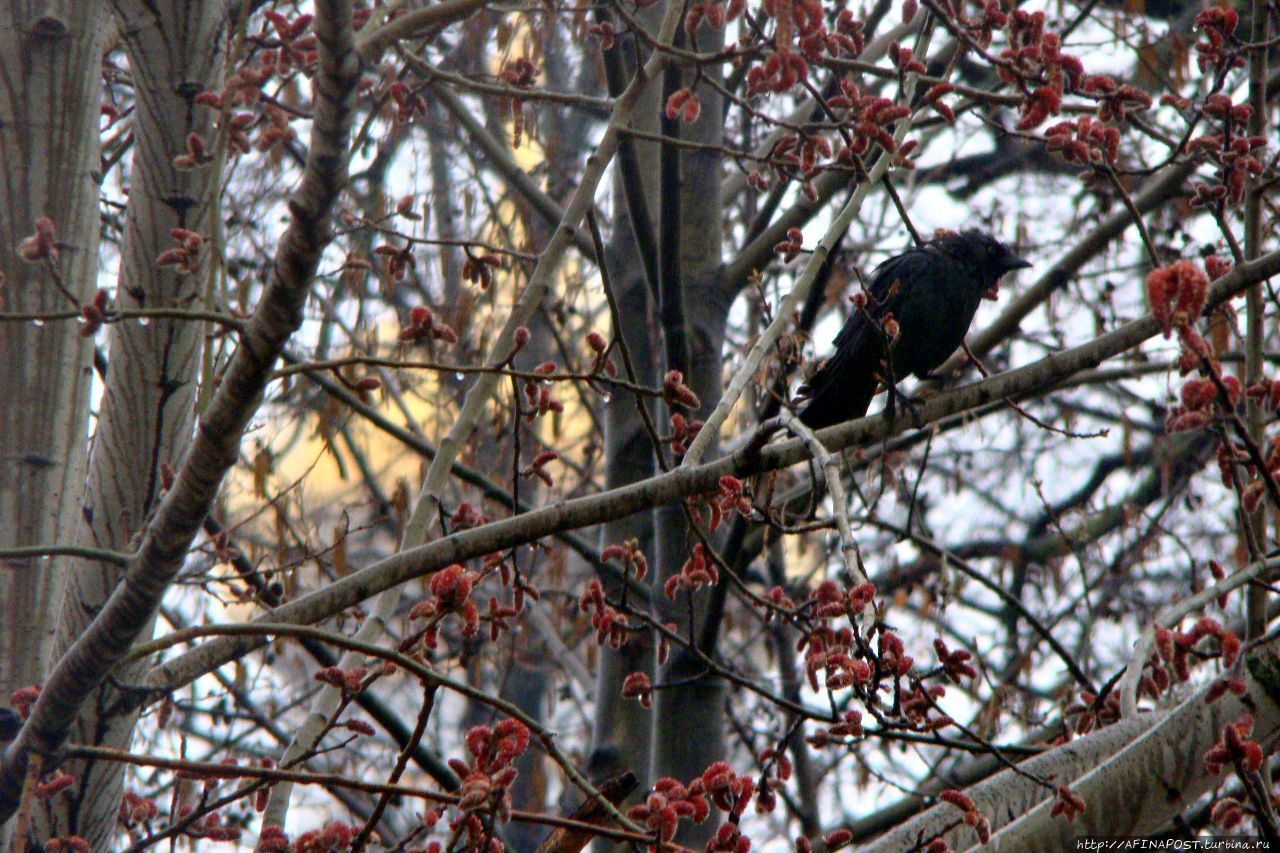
pixel 50 73
pixel 148 406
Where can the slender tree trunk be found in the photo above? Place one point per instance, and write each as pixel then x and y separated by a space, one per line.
pixel 688 720
pixel 148 405
pixel 620 738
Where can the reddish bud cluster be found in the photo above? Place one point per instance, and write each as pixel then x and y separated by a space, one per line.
pixel 94 313
pixel 405 208
pixel 360 727
pixel 67 844
pixel 466 516
pixel 294 48
pixel 638 686
pixel 727 500
pixel 1235 155
pixel 850 726
pixel 59 781
pixel 211 828
pixel 794 156
pixel 684 105
pixel 451 588
pixel 676 393
pixel 955 664
pixel 831 602
pixel 682 432
pixel 1173 653
pixel 893 656
pixel 362 387
pixel 278 131
pixel 904 59
pixel 728 839
pixel 1089 713
pixel 831 650
pixel 600 354
pixel 487 779
pixel 479 269
pixel 777 771
pixel 779 601
pixel 668 803
pixel 538 467
pixel 1217 50
pixel 1220 687
pixel 1083 141
pixel 197 153
pixel 1034 61
pixel 23 699
pixel 349 681
pixel 1116 101
pixel 333 837
pixel 606 33
pixel 407 100
pixel 1235 748
pixel 1177 294
pixel 779 73
pixel 698 571
pixel 396 260
pixel 41 245
pixel 423 326
pixel 185 255
pixel 919 703
pixel 518 72
pixel 729 792
pixel 500 615
pixel 714 14
pixel 869 118
pixel 629 554
pixel 1228 457
pixel 1228 814
pixel 933 97
pixel 136 809
pixel 790 247
pixel 610 625
pixel 973 817
pixel 537 395
pixel 1067 803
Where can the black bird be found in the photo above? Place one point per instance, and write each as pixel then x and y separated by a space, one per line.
pixel 931 292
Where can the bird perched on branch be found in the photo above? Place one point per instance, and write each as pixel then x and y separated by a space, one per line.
pixel 909 319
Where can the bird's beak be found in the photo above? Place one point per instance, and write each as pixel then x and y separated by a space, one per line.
pixel 1017 264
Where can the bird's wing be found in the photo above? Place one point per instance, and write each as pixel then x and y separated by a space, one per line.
pixel 886 293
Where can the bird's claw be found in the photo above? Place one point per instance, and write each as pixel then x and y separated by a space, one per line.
pixel 912 406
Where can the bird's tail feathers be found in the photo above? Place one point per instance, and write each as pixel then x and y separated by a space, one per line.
pixel 836 402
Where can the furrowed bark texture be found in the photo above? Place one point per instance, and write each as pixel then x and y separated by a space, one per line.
pixel 995 796
pixel 1172 752
pixel 50 87
pixel 147 408
pixel 169 535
